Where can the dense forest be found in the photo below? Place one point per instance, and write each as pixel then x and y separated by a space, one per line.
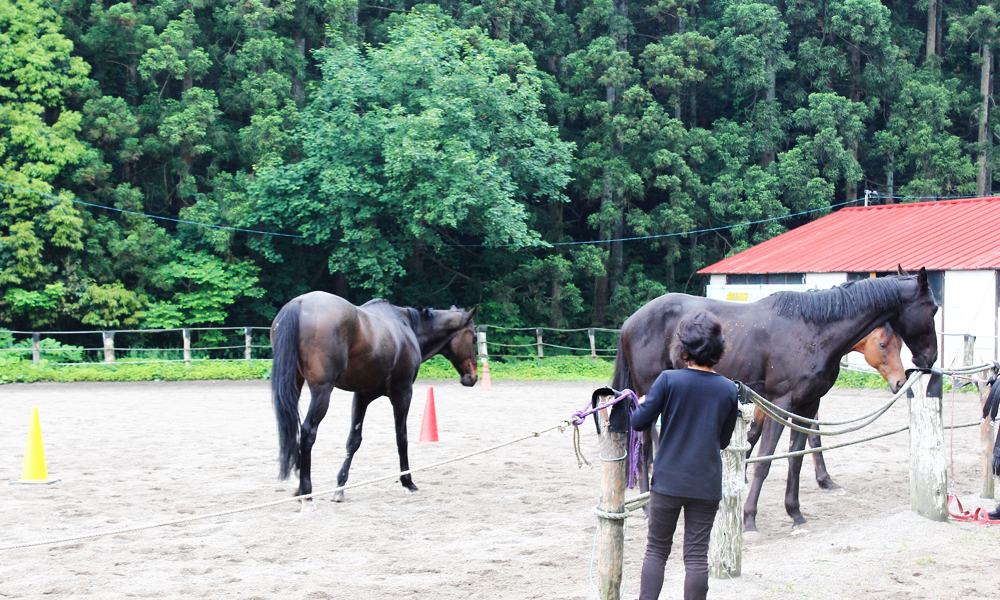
pixel 170 163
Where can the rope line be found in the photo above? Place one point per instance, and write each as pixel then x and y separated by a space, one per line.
pixel 771 457
pixel 184 520
pixel 789 419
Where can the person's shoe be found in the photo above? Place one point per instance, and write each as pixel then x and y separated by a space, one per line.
pixel 994 514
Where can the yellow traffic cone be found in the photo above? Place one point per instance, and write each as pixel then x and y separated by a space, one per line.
pixel 34 471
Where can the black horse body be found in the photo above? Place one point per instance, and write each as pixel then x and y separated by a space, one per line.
pixel 373 350
pixel 786 347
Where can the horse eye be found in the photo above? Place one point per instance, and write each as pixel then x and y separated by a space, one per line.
pixel 882 345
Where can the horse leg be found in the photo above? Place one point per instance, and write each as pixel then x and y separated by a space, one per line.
pixel 769 441
pixel 753 434
pixel 822 475
pixel 307 437
pixel 400 408
pixel 797 443
pixel 358 409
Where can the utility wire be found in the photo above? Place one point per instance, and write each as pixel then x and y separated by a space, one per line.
pixel 581 243
pixel 132 212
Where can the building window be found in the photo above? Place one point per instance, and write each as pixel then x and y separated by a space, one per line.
pixel 765 278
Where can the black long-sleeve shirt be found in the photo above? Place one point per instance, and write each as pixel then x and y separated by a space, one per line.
pixel 699 410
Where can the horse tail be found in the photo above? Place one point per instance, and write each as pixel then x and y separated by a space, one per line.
pixel 622 378
pixel 284 385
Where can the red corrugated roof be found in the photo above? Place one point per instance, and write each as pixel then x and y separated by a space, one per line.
pixel 943 235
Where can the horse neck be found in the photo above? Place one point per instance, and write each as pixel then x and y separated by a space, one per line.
pixel 432 334
pixel 851 333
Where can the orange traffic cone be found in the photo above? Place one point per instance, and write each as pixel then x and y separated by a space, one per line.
pixel 429 428
pixel 486 386
pixel 34 471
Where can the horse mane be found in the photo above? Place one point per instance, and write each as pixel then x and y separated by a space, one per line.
pixel 422 319
pixel 887 329
pixel 841 302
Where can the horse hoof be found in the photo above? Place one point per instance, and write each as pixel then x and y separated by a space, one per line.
pixel 308 505
pixel 799 529
pixel 338 497
pixel 751 536
pixel 412 490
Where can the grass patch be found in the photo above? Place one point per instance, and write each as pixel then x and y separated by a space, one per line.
pixel 860 381
pixel 23 371
pixel 556 368
pixel 14 369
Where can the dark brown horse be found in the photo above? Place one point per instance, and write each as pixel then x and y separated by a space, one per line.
pixel 786 347
pixel 372 350
pixel 881 349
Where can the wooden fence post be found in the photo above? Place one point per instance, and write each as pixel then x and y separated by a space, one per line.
pixel 109 346
pixel 36 349
pixel 246 339
pixel 725 548
pixel 928 464
pixel 986 430
pixel 186 334
pixel 611 532
pixel 593 346
pixel 538 337
pixel 481 337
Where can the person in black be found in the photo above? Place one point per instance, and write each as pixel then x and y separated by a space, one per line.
pixel 698 409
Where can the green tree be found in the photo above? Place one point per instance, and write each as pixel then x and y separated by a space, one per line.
pixel 38 143
pixel 434 139
pixel 980 30
pixel 206 289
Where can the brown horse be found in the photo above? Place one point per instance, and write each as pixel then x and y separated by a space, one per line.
pixel 373 350
pixel 881 349
pixel 786 347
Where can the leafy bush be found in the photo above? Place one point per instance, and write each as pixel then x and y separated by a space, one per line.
pixel 49 350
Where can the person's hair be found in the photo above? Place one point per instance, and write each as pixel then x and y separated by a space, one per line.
pixel 698 340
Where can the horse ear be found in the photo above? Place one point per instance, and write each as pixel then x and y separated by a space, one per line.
pixel 472 312
pixel 900 271
pixel 922 278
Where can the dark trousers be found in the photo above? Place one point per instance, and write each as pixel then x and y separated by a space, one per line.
pixel 699 516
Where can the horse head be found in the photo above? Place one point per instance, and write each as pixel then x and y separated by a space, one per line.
pixel 460 348
pixel 915 320
pixel 881 349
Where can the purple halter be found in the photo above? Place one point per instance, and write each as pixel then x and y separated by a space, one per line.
pixel 634 439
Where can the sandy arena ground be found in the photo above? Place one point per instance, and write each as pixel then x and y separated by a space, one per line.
pixel 514 523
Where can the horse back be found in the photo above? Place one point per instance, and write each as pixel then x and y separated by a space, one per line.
pixel 359 349
pixel 647 335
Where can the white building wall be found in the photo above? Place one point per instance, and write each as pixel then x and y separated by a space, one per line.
pixel 821 281
pixel 717 279
pixel 970 307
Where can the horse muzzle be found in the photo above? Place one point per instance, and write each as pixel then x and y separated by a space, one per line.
pixel 468 380
pixel 925 360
